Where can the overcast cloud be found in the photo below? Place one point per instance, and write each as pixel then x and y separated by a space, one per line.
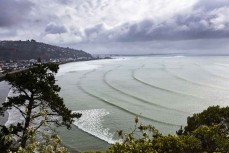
pixel 118 26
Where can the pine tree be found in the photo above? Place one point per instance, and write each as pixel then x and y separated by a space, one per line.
pixel 37 101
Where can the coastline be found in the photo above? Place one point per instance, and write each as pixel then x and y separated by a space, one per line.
pixel 4 90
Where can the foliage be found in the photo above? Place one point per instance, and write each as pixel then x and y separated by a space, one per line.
pixel 176 144
pixel 5 141
pixel 38 102
pixel 213 138
pixel 151 141
pixel 51 144
pixel 214 115
pixel 132 144
pixel 211 127
pixel 205 132
pixel 47 144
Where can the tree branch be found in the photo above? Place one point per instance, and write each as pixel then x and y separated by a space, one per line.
pixel 54 121
pixel 38 115
pixel 26 94
pixel 36 106
pixel 38 127
pixel 22 113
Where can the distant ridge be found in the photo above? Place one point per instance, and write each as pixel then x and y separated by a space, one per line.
pixel 24 50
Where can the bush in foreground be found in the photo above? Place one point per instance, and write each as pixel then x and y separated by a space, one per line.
pixel 206 137
pixel 205 132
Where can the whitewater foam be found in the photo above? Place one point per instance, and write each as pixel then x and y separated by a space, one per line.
pixel 85 65
pixel 14 114
pixel 71 67
pixel 91 122
pixel 176 56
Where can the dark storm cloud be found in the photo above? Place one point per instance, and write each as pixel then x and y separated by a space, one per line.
pixel 211 5
pixel 183 28
pixel 53 28
pixel 94 32
pixel 200 46
pixel 208 20
pixel 13 12
pixel 115 28
pixel 180 28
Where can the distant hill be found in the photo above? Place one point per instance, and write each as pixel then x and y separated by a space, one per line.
pixel 24 50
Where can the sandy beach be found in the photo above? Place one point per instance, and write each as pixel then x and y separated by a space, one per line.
pixel 4 90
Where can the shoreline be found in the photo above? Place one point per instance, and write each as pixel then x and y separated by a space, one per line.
pixel 4 91
pixel 5 88
pixel 60 63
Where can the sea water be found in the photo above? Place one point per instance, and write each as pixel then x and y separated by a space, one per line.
pixel 162 90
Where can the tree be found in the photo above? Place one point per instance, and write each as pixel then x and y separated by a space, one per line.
pixel 39 59
pixel 213 115
pixel 176 144
pixel 211 127
pixel 32 40
pixel 139 140
pixel 207 131
pixel 51 144
pixel 37 101
pixel 212 138
pixel 4 142
pixel 147 139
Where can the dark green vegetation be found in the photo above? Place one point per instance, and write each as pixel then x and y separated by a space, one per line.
pixel 210 117
pixel 205 132
pixel 25 50
pixel 38 102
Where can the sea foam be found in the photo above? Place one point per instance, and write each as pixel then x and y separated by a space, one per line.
pixel 80 66
pixel 91 122
pixel 85 65
pixel 14 114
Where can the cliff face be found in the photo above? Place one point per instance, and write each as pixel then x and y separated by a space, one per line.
pixel 24 50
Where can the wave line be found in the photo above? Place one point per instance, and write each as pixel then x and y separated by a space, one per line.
pixel 193 82
pixel 161 89
pixel 211 73
pixel 137 98
pixel 119 107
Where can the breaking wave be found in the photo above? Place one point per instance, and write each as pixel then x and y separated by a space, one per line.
pixel 91 122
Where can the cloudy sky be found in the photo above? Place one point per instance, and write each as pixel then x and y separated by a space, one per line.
pixel 120 26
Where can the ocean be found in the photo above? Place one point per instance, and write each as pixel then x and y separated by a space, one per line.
pixel 162 90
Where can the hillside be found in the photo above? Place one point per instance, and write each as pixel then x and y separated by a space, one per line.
pixel 24 50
